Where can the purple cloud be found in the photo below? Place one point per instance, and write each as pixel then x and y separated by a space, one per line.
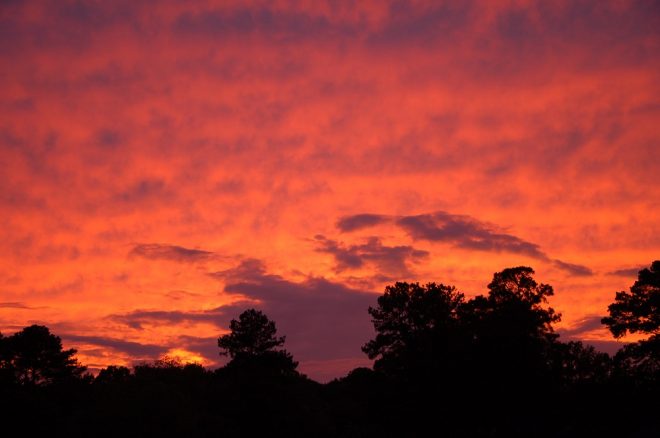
pixel 573 269
pixel 460 231
pixel 388 260
pixel 323 320
pixel 359 221
pixel 138 318
pixel 626 272
pixel 157 251
pixel 135 349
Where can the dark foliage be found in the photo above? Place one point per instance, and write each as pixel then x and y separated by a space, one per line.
pixel 252 334
pixel 414 327
pixel 639 309
pixel 488 366
pixel 255 348
pixel 34 356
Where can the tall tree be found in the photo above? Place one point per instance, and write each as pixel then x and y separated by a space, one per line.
pixel 34 356
pixel 511 328
pixel 515 306
pixel 414 325
pixel 252 334
pixel 253 344
pixel 639 309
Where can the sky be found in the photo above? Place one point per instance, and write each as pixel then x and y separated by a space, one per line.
pixel 164 166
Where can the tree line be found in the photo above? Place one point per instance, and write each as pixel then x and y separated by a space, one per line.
pixel 444 365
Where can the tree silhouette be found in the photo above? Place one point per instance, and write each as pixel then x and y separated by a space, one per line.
pixel 413 326
pixel 435 353
pixel 113 374
pixel 253 345
pixel 511 329
pixel 34 356
pixel 252 334
pixel 576 363
pixel 514 308
pixel 639 309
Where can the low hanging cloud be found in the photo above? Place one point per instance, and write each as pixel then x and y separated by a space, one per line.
pixel 461 231
pixel 585 325
pixel 358 221
pixel 388 260
pixel 573 269
pixel 323 320
pixel 157 251
pixel 135 349
pixel 582 331
pixel 465 232
pixel 138 318
pixel 14 305
pixel 626 272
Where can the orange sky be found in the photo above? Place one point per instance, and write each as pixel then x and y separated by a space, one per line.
pixel 165 167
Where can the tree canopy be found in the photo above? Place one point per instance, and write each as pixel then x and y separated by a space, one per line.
pixel 421 330
pixel 253 333
pixel 34 356
pixel 411 321
pixel 639 309
pixel 253 345
pixel 488 365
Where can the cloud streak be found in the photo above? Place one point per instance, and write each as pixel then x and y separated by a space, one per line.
pixel 392 261
pixel 157 251
pixel 460 231
pixel 135 349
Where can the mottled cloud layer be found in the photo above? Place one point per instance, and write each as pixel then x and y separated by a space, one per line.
pixel 145 146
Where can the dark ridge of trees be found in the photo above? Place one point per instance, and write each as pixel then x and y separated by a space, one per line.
pixel 444 365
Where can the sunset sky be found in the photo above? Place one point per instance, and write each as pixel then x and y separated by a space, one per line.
pixel 166 165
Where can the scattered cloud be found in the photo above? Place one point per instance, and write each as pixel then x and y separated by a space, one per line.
pixel 585 325
pixel 466 232
pixel 134 349
pixel 626 272
pixel 359 221
pixel 461 231
pixel 138 318
pixel 573 269
pixel 387 260
pixel 157 251
pixel 15 305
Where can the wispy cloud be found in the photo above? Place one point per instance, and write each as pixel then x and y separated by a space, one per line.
pixel 135 349
pixel 393 261
pixel 573 269
pixel 157 251
pixel 461 231
pixel 15 305
pixel 626 272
